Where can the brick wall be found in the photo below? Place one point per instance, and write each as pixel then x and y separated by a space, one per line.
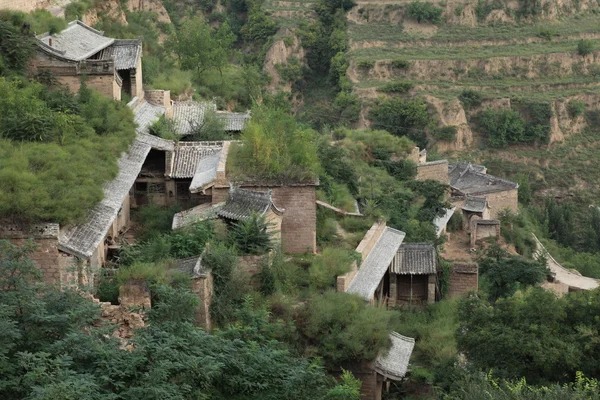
pixel 24 5
pixel 482 229
pixel 161 98
pixel 365 372
pixel 501 200
pixel 137 86
pixel 434 170
pixel 299 222
pixel 46 256
pixel 463 279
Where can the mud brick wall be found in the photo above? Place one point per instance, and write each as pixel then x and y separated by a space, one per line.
pixel 482 229
pixel 434 170
pixel 463 279
pixel 202 288
pixel 299 223
pixel 161 98
pixel 46 256
pixel 499 201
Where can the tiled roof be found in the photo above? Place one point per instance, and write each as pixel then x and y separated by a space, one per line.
pixel 395 363
pixel 233 122
pixel 188 155
pixel 76 42
pixel 441 222
pixel 82 240
pixel 475 204
pixel 196 214
pixel 156 142
pixel 206 173
pixel 146 114
pixel 242 203
pixel 188 114
pixel 468 179
pixel 415 259
pixel 126 53
pixel 192 266
pixel 376 263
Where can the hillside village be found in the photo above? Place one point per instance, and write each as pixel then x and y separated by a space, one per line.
pixel 384 224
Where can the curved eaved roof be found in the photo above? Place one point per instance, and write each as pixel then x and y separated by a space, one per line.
pixel 394 364
pixel 76 42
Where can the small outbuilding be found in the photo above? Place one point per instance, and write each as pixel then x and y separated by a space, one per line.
pixel 413 275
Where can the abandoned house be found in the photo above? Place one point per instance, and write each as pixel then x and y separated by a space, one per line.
pixel 202 287
pixel 110 66
pixel 413 275
pixel 470 183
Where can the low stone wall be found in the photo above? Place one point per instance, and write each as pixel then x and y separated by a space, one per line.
pixel 483 229
pixel 464 277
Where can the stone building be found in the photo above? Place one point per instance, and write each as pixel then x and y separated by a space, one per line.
pixel 471 180
pixel 80 52
pixel 202 287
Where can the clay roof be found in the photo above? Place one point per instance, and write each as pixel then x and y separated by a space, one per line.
pixel 206 173
pixel 146 114
pixel 125 51
pixel 394 364
pixel 76 42
pixel 82 240
pixel 468 179
pixel 242 203
pixel 196 214
pixel 376 263
pixel 188 155
pixel 415 259
pixel 192 266
pixel 441 222
pixel 475 204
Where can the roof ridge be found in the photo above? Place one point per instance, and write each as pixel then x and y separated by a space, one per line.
pixel 494 177
pixel 83 25
pixel 400 336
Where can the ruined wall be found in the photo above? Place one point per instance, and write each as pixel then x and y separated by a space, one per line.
pixel 137 86
pixel 250 266
pixel 501 200
pixel 24 5
pixel 202 288
pixel 482 229
pixel 434 170
pixel 161 98
pixel 46 256
pixel 463 279
pixel 299 224
pixel 370 388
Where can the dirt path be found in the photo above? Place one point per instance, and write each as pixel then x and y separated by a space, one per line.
pixel 567 276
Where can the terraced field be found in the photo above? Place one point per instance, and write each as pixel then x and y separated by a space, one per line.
pixel 498 60
pixel 290 13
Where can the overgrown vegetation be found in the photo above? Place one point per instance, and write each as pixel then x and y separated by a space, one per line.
pixel 424 12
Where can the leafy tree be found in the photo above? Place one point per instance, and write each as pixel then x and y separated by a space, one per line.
pixel 470 98
pixel 211 128
pixel 585 47
pixel 199 48
pixel 401 117
pixel 331 263
pixel 259 26
pixel 504 273
pixel 15 48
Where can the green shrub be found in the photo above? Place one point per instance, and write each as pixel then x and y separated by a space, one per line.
pixel 210 128
pixel 575 108
pixel 154 220
pixel 345 327
pixel 251 235
pixel 485 7
pixel 503 127
pixel 470 98
pixel 165 128
pixel 400 64
pixel 290 72
pixel 397 87
pixel 445 133
pixel 547 33
pixel 424 12
pixel 585 47
pixel 365 64
pixel 274 147
pixel 327 266
pixel 15 48
pixel 402 117
pixel 151 273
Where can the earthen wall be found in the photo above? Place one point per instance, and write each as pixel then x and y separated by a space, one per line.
pixel 500 201
pixel 463 279
pixel 434 170
pixel 24 5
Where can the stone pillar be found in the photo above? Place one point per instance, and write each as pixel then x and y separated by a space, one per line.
pixel 202 287
pixel 431 283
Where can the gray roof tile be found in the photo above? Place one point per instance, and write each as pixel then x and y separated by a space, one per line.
pixel 206 172
pixel 441 222
pixel 192 266
pixel 188 155
pixel 475 204
pixel 242 203
pixel 376 263
pixel 394 364
pixel 126 53
pixel 146 114
pixel 82 240
pixel 199 213
pixel 469 179
pixel 76 42
pixel 233 122
pixel 415 259
pixel 188 114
